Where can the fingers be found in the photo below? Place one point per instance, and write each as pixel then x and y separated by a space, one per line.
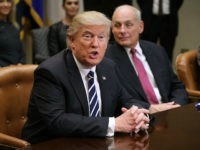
pixel 132 119
pixel 162 107
pixel 142 122
pixel 145 111
pixel 171 103
pixel 124 110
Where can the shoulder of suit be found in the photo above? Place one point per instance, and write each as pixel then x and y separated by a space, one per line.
pixel 107 62
pixel 57 26
pixel 149 44
pixel 56 60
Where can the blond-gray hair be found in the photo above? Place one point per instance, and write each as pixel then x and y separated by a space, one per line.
pixel 87 18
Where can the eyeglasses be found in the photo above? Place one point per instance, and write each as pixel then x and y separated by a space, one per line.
pixel 70 3
pixel 1 1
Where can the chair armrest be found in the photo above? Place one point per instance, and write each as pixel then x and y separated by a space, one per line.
pixel 13 141
pixel 193 93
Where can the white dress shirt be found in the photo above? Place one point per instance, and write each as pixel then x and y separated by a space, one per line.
pixel 165 7
pixel 142 58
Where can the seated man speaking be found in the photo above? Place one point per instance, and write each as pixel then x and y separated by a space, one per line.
pixel 77 93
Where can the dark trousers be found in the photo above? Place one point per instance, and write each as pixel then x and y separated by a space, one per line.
pixel 160 32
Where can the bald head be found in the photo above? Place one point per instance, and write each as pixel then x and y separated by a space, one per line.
pixel 127 25
pixel 127 10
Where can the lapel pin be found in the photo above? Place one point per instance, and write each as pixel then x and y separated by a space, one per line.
pixel 103 77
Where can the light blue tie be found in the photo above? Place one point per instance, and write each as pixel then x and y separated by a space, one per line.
pixel 93 99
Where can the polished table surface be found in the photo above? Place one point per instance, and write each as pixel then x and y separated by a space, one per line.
pixel 177 129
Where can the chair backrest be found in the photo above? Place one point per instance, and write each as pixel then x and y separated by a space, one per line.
pixel 40 45
pixel 188 70
pixel 15 86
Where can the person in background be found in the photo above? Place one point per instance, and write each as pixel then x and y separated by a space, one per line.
pixel 63 103
pixel 57 31
pixel 143 66
pixel 11 52
pixel 161 22
pixel 105 6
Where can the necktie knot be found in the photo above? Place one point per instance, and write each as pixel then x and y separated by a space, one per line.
pixel 90 75
pixel 160 10
pixel 133 51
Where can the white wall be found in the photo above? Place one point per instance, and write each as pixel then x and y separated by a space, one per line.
pixel 189 26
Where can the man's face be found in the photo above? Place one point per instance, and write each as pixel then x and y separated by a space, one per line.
pixel 126 28
pixel 89 44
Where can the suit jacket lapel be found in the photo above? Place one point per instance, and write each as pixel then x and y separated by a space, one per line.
pixel 102 75
pixel 128 71
pixel 76 82
pixel 152 61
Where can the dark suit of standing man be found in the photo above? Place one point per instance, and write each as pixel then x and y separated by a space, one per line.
pixel 161 27
pixel 126 28
pixel 105 6
pixel 59 103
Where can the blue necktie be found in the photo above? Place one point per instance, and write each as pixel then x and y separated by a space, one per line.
pixel 93 99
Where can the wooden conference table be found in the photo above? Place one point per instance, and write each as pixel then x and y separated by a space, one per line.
pixel 177 129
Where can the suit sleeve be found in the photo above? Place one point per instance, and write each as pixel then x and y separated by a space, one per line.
pixel 174 89
pixel 178 92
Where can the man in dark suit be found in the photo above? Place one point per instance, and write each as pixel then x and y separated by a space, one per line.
pixel 61 103
pixel 161 26
pixel 168 90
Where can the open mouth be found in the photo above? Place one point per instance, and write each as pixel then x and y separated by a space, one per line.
pixel 93 54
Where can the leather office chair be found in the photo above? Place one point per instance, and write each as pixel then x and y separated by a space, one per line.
pixel 188 72
pixel 15 86
pixel 40 45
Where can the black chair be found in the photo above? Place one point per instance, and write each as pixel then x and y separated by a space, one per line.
pixel 40 46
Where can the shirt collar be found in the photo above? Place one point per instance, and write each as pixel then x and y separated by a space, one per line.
pixel 84 70
pixel 137 47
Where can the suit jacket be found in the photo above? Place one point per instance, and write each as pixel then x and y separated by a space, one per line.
pixel 99 5
pixel 58 103
pixel 170 88
pixel 147 14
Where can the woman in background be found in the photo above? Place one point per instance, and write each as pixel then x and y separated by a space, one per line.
pixel 10 45
pixel 57 32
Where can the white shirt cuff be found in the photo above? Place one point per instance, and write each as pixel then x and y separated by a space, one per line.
pixel 111 127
